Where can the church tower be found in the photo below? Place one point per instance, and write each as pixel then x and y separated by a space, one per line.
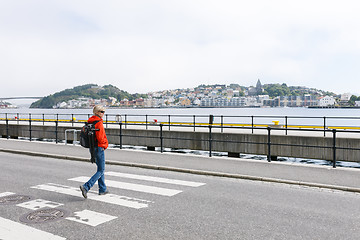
pixel 258 87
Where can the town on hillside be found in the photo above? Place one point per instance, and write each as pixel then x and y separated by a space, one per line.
pixel 218 95
pixel 233 95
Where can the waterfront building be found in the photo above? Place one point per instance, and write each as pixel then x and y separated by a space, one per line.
pixel 310 100
pixel 197 102
pixel 185 102
pixel 139 102
pixel 345 98
pixel 327 101
pixel 292 101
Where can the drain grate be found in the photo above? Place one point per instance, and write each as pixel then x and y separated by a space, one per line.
pixel 13 199
pixel 44 215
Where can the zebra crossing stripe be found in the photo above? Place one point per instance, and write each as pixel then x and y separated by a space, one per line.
pixel 4 194
pixel 155 179
pixel 10 230
pixel 134 187
pixel 108 198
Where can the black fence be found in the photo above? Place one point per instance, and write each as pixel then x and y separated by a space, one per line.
pixel 172 121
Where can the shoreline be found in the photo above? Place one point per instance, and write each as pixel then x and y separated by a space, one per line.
pixel 195 107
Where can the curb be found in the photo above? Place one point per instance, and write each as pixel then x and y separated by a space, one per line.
pixel 190 171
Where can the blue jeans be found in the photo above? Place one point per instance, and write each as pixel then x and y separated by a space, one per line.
pixel 99 175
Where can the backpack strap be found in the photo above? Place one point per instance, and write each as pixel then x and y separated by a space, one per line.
pixel 95 122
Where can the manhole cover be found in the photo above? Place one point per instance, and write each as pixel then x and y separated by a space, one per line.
pixel 44 215
pixel 13 199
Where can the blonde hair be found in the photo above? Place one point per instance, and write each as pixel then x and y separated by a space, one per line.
pixel 98 108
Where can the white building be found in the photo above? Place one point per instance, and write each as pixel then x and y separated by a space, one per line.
pixel 327 101
pixel 197 102
pixel 345 97
pixel 236 93
pixel 237 102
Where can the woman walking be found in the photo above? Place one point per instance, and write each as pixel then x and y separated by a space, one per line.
pixel 101 143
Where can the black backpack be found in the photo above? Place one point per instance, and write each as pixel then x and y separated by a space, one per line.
pixel 88 139
pixel 87 135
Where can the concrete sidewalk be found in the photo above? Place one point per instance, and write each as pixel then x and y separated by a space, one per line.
pixel 345 179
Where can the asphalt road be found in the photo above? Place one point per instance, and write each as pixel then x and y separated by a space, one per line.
pixel 143 207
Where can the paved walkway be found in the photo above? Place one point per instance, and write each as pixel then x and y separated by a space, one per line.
pixel 345 179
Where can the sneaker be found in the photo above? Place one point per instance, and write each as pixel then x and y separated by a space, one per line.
pixel 83 191
pixel 104 193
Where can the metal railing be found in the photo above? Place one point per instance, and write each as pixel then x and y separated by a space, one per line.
pixel 268 143
pixel 124 121
pixel 223 121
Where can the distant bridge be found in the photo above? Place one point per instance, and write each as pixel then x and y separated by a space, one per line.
pixel 10 98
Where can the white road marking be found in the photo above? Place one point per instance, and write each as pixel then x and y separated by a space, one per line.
pixel 155 179
pixel 91 218
pixel 39 203
pixel 134 187
pixel 108 198
pixel 10 230
pixel 4 194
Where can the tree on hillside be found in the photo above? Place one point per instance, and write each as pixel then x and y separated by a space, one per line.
pixel 274 90
pixel 89 90
pixel 352 100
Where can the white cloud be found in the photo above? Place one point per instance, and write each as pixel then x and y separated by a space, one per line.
pixel 142 45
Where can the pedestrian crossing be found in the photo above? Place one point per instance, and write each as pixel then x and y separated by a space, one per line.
pixel 134 187
pixel 92 195
pixel 10 230
pixel 155 179
pixel 144 184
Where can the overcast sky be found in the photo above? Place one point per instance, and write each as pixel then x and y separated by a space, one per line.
pixel 148 45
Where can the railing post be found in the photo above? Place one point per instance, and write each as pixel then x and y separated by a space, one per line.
pixel 106 119
pixel 269 144
pixel 169 121
pixel 125 121
pixel 222 123
pixel 120 135
pixel 334 148
pixel 43 115
pixel 194 121
pixel 286 124
pixel 324 126
pixel 146 121
pixel 211 119
pixel 161 137
pixel 18 118
pixel 72 120
pixel 7 126
pixel 252 124
pixel 56 130
pixel 210 141
pixel 30 127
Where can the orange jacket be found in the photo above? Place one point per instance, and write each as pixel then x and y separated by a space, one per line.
pixel 100 135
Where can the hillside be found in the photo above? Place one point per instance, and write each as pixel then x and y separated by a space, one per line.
pixel 173 97
pixel 89 90
pixel 275 90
